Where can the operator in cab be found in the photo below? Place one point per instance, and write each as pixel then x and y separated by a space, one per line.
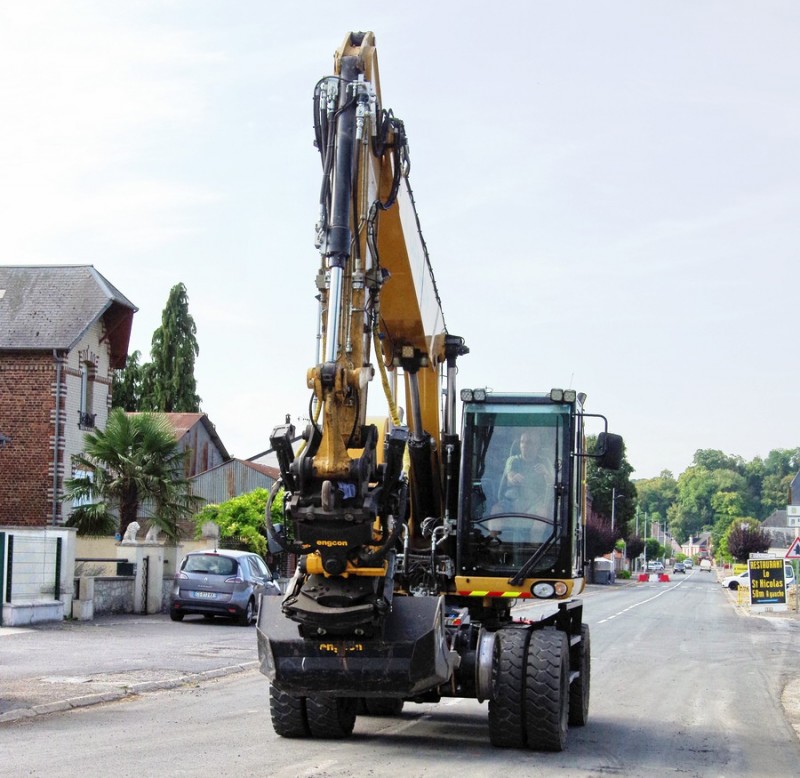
pixel 527 484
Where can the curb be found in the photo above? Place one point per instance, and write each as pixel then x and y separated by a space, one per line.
pixel 128 691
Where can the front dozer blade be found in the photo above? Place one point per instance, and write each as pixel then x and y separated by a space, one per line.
pixel 410 657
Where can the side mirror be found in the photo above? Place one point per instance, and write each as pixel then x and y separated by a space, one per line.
pixel 609 451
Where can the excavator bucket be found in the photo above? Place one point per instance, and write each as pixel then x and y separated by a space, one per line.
pixel 409 658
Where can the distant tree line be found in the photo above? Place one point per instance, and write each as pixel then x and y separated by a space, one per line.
pixel 721 494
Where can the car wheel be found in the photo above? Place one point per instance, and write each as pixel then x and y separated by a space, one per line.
pixel 733 585
pixel 246 619
pixel 176 615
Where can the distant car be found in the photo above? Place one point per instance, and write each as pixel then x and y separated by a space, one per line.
pixel 655 566
pixel 735 581
pixel 221 583
pixel 679 567
pixel 705 565
pixel 743 579
pixel 688 564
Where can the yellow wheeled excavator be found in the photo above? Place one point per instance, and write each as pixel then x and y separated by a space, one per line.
pixel 415 540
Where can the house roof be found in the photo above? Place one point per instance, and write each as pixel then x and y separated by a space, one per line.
pixel 776 519
pixel 272 472
pixel 781 537
pixel 183 422
pixel 44 307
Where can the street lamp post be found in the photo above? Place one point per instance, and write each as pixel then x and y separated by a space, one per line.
pixel 645 541
pixel 614 498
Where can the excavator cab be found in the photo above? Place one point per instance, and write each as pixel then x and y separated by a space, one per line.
pixel 520 514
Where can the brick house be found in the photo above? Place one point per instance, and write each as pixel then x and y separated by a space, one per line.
pixel 63 330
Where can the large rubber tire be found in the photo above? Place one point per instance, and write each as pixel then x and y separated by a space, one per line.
pixel 547 690
pixel 288 713
pixel 579 688
pixel 506 704
pixel 331 717
pixel 383 706
pixel 176 615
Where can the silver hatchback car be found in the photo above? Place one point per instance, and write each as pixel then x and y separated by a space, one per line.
pixel 221 583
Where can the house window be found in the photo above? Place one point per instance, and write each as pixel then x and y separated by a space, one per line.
pixel 87 500
pixel 85 415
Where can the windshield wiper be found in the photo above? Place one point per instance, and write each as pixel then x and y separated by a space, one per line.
pixel 534 560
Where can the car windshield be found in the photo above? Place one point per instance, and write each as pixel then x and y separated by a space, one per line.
pixel 212 564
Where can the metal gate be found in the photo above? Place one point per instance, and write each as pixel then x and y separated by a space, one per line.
pixel 145 576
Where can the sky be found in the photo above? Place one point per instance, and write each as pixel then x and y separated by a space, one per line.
pixel 609 191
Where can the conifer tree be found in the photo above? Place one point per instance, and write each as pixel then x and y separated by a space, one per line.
pixel 168 382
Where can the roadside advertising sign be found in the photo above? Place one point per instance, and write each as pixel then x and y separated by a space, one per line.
pixel 767 583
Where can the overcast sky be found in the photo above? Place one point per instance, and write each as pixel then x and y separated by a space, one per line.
pixel 609 190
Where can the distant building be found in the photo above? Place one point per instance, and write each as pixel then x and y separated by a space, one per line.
pixel 63 330
pixel 197 435
pixel 215 476
pixel 698 546
pixel 782 528
pixel 232 478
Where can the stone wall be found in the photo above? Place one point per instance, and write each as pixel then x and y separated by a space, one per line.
pixel 114 594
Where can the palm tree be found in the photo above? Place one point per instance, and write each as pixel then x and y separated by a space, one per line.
pixel 131 465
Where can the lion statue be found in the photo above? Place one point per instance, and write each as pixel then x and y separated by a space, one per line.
pixel 130 533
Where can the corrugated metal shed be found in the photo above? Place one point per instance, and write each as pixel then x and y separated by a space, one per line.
pixel 198 435
pixel 232 478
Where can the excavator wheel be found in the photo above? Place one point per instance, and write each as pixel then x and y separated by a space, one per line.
pixel 383 706
pixel 331 717
pixel 288 713
pixel 547 690
pixel 506 705
pixel 579 689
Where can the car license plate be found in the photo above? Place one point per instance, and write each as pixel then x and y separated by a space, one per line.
pixel 204 595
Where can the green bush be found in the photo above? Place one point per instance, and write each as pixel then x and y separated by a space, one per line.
pixel 624 574
pixel 241 518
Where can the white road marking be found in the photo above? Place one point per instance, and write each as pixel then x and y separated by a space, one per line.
pixel 642 602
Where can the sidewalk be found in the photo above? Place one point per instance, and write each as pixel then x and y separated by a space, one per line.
pixel 53 667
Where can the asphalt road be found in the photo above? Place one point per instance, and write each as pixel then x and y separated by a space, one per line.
pixel 682 684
